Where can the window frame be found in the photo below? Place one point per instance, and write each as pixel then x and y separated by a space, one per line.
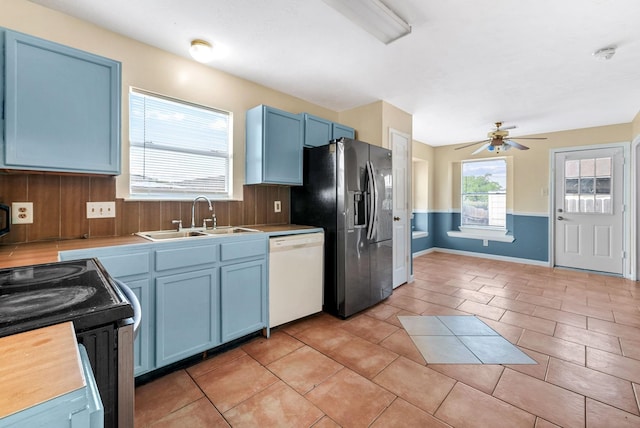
pixel 481 227
pixel 183 196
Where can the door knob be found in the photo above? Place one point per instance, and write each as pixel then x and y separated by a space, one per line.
pixel 559 210
pixel 560 217
pixel 396 218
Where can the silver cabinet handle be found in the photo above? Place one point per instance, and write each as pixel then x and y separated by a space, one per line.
pixel 560 217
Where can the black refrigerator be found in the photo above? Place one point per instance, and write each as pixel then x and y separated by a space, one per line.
pixel 348 191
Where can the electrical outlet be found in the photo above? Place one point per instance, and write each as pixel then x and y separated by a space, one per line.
pixel 277 206
pixel 101 209
pixel 22 213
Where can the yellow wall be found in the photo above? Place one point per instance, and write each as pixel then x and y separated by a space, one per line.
pixel 423 161
pixel 155 70
pixel 367 120
pixel 373 121
pixel 530 179
pixel 636 126
pixel 394 118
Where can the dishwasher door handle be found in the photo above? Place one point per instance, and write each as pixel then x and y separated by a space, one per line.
pixel 296 241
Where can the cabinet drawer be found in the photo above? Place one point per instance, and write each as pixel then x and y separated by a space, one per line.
pixel 240 250
pixel 173 258
pixel 126 264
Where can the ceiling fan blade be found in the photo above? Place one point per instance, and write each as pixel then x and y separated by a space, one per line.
pixel 484 147
pixel 516 145
pixel 529 138
pixel 472 144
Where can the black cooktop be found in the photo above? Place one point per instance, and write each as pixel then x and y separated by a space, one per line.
pixel 76 290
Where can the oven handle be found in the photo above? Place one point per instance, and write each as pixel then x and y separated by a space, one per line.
pixel 135 303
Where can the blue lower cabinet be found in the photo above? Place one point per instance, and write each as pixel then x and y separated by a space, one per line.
pixel 187 308
pixel 141 344
pixel 243 295
pixel 194 296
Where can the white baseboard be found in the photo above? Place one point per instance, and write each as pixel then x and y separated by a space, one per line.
pixel 423 252
pixel 483 256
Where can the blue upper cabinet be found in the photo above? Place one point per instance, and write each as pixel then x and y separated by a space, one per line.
pixel 61 108
pixel 274 146
pixel 319 131
pixel 340 131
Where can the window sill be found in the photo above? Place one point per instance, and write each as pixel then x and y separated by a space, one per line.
pixel 499 235
pixel 419 234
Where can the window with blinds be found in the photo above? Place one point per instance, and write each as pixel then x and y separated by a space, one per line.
pixel 178 150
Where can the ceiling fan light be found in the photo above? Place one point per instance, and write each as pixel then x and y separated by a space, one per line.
pixel 201 50
pixel 605 53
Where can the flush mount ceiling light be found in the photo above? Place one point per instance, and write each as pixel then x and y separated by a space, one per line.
pixel 605 53
pixel 373 16
pixel 201 50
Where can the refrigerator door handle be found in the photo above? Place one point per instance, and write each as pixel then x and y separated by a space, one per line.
pixel 372 190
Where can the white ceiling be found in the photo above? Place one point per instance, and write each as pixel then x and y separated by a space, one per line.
pixel 466 64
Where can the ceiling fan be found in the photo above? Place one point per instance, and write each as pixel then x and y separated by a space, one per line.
pixel 498 140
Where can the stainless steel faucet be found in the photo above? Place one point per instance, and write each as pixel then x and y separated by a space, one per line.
pixel 193 209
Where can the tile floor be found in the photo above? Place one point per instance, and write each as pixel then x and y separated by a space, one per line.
pixel 460 339
pixel 582 329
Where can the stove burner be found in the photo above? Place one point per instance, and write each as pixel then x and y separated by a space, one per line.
pixel 28 276
pixel 75 290
pixel 29 304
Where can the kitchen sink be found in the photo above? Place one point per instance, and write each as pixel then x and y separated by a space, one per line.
pixel 161 235
pixel 225 230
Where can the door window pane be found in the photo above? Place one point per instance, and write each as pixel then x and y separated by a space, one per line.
pixel 587 167
pixel 603 167
pixel 603 186
pixel 572 169
pixel 571 185
pixel 588 186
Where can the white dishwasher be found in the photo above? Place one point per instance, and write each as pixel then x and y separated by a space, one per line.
pixel 296 276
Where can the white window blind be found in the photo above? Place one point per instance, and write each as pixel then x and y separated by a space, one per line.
pixel 177 149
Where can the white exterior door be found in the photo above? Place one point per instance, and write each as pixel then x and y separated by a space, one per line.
pixel 589 209
pixel 400 147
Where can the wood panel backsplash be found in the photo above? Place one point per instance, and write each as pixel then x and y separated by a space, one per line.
pixel 59 208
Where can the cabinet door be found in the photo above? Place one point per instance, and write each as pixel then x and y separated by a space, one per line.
pixel 62 108
pixel 243 298
pixel 187 314
pixel 282 147
pixel 141 357
pixel 340 131
pixel 274 146
pixel 317 131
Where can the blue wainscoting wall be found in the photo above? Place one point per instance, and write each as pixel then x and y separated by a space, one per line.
pixel 420 223
pixel 531 235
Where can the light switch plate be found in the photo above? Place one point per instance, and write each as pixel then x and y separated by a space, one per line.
pixel 277 206
pixel 101 209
